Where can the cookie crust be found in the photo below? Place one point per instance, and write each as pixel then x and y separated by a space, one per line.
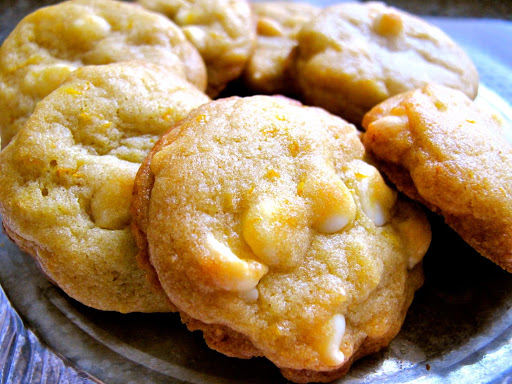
pixel 223 31
pixel 441 149
pixel 67 179
pixel 260 305
pixel 47 45
pixel 270 69
pixel 353 56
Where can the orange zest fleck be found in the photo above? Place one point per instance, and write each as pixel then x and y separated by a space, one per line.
pixel 272 174
pixel 294 148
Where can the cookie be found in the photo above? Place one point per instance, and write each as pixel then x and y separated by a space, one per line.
pixel 441 149
pixel 67 179
pixel 50 43
pixel 270 67
pixel 264 222
pixel 223 31
pixel 354 55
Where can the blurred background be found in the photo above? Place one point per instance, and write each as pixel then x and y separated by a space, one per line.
pixel 11 11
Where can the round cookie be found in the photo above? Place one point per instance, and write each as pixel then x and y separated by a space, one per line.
pixel 441 149
pixel 67 179
pixel 354 55
pixel 50 43
pixel 264 223
pixel 223 32
pixel 270 67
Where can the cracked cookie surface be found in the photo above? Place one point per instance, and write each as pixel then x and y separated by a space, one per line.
pixel 67 179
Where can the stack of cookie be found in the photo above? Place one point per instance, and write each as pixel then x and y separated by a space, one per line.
pixel 263 221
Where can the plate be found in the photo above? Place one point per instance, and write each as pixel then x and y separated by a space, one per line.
pixel 458 329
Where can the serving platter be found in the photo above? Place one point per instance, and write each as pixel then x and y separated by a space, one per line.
pixel 458 329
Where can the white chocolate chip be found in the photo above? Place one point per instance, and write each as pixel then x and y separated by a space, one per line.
pixel 331 347
pixel 232 273
pixel 110 202
pixel 413 261
pixel 269 27
pixel 276 232
pixel 250 295
pixel 416 235
pixel 258 231
pixel 391 122
pixel 196 35
pixel 377 199
pixel 332 203
pixel 333 223
pixel 92 27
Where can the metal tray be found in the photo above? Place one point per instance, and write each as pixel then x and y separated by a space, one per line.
pixel 458 329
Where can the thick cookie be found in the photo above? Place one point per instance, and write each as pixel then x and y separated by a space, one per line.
pixel 354 55
pixel 441 149
pixel 271 66
pixel 265 223
pixel 223 31
pixel 67 179
pixel 50 43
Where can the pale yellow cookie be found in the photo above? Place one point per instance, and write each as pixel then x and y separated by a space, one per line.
pixel 354 55
pixel 270 68
pixel 50 43
pixel 443 150
pixel 223 31
pixel 67 179
pixel 271 233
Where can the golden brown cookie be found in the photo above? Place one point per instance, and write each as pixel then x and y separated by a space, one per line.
pixel 264 223
pixel 441 149
pixel 67 179
pixel 354 55
pixel 223 31
pixel 270 67
pixel 50 43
